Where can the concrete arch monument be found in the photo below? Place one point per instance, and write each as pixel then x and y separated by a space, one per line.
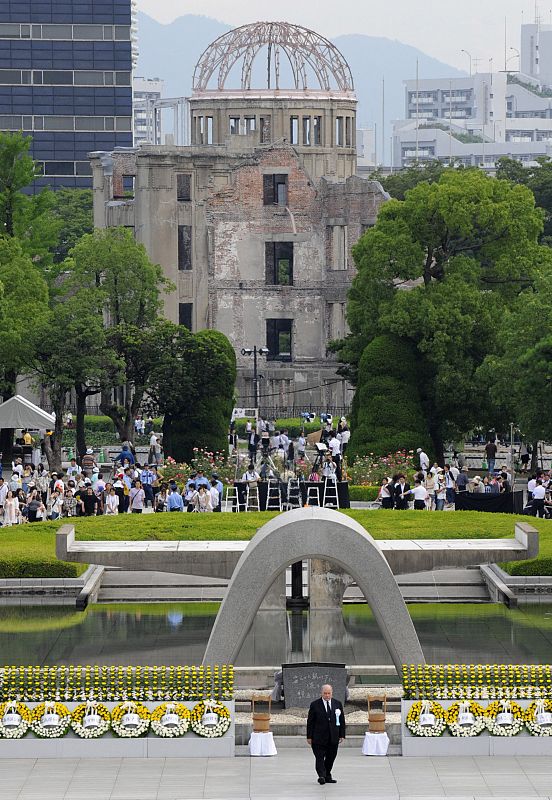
pixel 312 533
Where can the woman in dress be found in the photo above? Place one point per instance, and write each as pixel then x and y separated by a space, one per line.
pixel 11 509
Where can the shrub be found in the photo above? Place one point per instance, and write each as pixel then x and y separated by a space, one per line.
pixel 293 425
pixel 387 413
pixel 366 494
pixel 369 470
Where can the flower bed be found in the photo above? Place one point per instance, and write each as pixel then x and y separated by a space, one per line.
pixel 76 683
pixel 369 470
pixel 477 681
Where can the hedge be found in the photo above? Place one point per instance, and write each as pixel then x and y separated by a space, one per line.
pixel 99 423
pixel 365 494
pixel 293 426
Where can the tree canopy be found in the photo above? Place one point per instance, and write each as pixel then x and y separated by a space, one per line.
pixel 438 270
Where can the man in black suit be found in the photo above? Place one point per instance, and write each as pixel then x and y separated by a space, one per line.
pixel 401 493
pixel 325 730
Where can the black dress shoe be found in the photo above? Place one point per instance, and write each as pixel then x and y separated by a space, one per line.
pixel 331 780
pixel 321 781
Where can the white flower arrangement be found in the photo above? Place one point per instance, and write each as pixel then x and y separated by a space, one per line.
pixel 15 719
pixel 426 718
pixel 130 719
pixel 504 718
pixel 170 720
pixel 50 720
pixel 538 718
pixel 90 720
pixel 203 713
pixel 466 718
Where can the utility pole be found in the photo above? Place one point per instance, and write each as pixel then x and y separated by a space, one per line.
pixel 417 108
pixel 383 121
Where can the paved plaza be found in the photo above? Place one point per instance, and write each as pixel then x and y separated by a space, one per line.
pixel 288 775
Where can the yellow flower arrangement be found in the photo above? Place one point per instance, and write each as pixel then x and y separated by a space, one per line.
pixel 44 716
pixel 538 718
pixel 9 713
pixel 466 718
pixel 426 718
pixel 130 719
pixel 170 720
pixel 504 718
pixel 210 731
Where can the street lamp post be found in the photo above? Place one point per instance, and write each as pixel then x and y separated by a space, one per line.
pixel 470 58
pixel 255 351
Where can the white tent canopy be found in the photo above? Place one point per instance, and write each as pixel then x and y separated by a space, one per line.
pixel 17 412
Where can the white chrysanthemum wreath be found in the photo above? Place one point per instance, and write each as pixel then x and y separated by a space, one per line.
pixel 538 718
pixel 466 718
pixel 426 718
pixel 15 719
pixel 170 720
pixel 90 720
pixel 50 720
pixel 505 718
pixel 130 719
pixel 210 719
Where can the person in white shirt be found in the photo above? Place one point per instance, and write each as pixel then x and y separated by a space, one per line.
pixel 204 499
pixel 334 446
pixel 539 493
pixel 215 494
pixel 3 491
pixel 344 435
pixel 251 476
pixel 301 447
pixel 420 495
pixel 111 503
pixel 424 460
pixel 328 467
pixel 73 469
pixel 17 467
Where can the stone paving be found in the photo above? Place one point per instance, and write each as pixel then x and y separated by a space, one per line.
pixel 288 775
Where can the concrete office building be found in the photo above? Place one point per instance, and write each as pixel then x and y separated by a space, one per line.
pixel 254 221
pixel 65 79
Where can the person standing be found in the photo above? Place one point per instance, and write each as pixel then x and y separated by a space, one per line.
pixel 424 460
pixel 490 452
pixel 401 493
pixel 325 730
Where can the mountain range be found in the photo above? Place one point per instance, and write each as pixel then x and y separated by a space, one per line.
pixel 171 51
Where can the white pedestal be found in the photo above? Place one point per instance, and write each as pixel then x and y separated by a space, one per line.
pixel 375 744
pixel 262 744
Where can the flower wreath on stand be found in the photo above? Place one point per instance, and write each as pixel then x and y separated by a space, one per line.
pixel 504 718
pixel 15 719
pixel 466 718
pixel 538 718
pixel 170 719
pixel 90 720
pixel 50 720
pixel 204 722
pixel 130 719
pixel 426 718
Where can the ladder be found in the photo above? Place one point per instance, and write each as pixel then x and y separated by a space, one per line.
pixel 313 496
pixel 330 498
pixel 232 499
pixel 294 499
pixel 273 497
pixel 252 498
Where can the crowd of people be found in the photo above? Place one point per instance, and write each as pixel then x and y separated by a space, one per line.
pixel 435 488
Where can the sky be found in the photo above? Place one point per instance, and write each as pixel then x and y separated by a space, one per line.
pixel 441 28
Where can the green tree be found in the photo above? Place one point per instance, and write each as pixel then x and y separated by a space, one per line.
pixel 73 209
pixel 192 385
pixel 538 179
pixel 23 309
pixel 520 371
pixel 113 263
pixel 387 413
pixel 26 217
pixel 397 184
pixel 439 269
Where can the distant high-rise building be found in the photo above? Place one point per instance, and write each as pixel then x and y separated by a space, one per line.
pixel 65 79
pixel 536 53
pixel 147 117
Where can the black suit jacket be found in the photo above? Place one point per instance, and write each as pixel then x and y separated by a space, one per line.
pixel 321 729
pixel 401 502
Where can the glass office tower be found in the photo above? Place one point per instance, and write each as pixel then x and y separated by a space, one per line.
pixel 65 79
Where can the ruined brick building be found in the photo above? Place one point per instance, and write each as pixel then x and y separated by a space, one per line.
pixel 253 222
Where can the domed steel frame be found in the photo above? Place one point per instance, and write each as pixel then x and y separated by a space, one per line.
pixel 304 48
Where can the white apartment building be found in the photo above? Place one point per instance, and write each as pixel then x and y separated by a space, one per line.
pixel 147 123
pixel 474 121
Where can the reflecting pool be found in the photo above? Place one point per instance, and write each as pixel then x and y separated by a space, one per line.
pixel 178 633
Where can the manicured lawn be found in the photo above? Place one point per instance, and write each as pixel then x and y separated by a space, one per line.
pixel 29 550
